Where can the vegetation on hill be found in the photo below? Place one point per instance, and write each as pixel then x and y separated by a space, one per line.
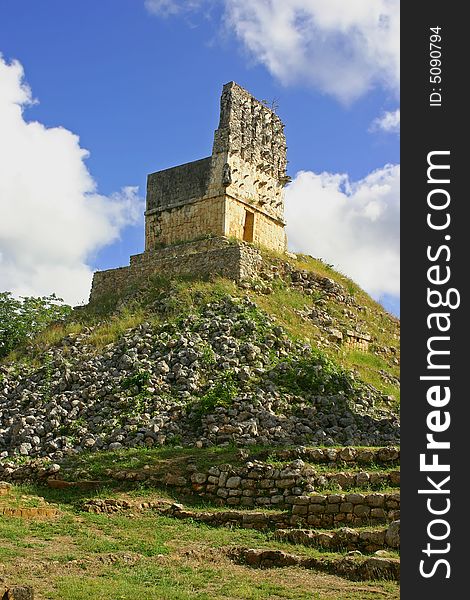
pixel 178 376
pixel 24 318
pixel 186 361
pixel 164 299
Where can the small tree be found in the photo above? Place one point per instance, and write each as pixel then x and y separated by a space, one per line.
pixel 271 104
pixel 22 318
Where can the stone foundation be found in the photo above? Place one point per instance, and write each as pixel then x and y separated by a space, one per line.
pixel 235 193
pixel 264 486
pixel 202 258
pixel 357 570
pixel 260 485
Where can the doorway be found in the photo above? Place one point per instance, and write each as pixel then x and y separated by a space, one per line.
pixel 248 226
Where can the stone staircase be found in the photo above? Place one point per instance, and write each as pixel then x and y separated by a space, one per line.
pixel 355 513
pixel 343 503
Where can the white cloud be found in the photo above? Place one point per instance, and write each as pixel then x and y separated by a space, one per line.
pixel 388 122
pixel 340 48
pixel 353 225
pixel 171 7
pixel 52 218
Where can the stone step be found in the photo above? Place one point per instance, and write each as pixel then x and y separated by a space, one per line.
pixel 346 480
pixel 258 483
pixel 320 511
pixel 259 471
pixel 202 483
pixel 249 519
pixel 344 538
pixel 336 510
pixel 116 505
pixel 356 568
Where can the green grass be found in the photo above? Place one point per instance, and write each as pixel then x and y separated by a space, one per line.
pixel 368 365
pixel 13 529
pixel 150 582
pixel 82 555
pixel 53 335
pixel 96 465
pixel 213 584
pixel 111 330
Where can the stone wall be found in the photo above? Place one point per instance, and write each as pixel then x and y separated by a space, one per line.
pixel 266 232
pixel 252 131
pixel 202 258
pixel 371 568
pixel 357 340
pixel 364 540
pixel 263 485
pixel 189 221
pixel 388 456
pixel 251 184
pixel 251 146
pixel 178 184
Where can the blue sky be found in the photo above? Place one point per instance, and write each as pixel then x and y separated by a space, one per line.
pixel 139 83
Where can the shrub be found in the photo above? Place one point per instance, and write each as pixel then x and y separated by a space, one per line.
pixel 314 374
pixel 21 319
pixel 221 393
pixel 139 380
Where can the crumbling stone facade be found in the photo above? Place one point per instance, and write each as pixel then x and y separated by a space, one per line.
pixel 236 193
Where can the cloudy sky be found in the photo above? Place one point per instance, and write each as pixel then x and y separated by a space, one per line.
pixel 95 95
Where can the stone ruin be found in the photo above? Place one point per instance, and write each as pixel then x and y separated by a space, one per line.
pixel 206 217
pixel 236 192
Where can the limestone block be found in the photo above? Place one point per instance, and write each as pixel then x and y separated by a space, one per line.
pixel 233 482
pixel 361 510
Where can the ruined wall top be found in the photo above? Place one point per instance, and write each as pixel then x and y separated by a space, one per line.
pixel 251 130
pixel 248 161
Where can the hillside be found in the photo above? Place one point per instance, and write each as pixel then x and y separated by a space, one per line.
pixel 179 361
pixel 190 388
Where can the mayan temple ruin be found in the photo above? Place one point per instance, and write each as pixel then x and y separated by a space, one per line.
pixel 208 216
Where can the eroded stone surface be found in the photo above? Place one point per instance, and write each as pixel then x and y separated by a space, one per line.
pixel 236 193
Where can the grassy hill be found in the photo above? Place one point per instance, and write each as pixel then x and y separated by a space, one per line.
pixel 147 396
